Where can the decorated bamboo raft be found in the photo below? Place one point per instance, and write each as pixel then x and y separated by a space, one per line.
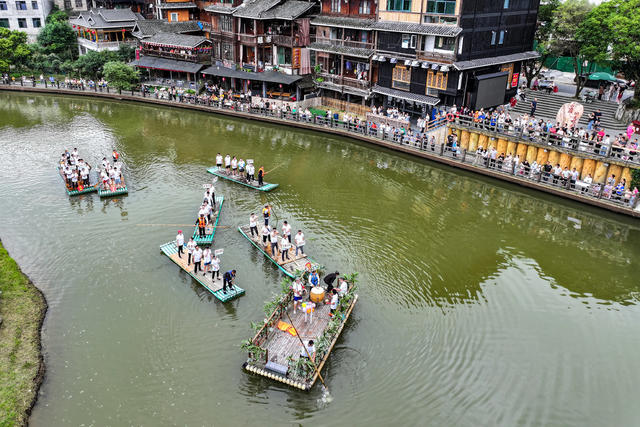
pixel 275 353
pixel 116 192
pixel 291 267
pixel 90 189
pixel 214 286
pixel 210 230
pixel 253 184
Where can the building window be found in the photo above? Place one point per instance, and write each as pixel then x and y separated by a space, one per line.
pixel 4 23
pixel 445 43
pixel 501 39
pixel 437 80
pixel 34 5
pixel 173 17
pixel 67 4
pixel 442 6
pixel 401 77
pixel 493 38
pixel 409 41
pixel 21 5
pixel 284 55
pixel 3 5
pixel 227 51
pixel 36 22
pixel 79 3
pixel 22 22
pixel 506 4
pixel 365 7
pixel 226 23
pixel 335 5
pixel 399 5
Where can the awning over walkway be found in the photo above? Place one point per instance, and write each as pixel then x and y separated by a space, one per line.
pixel 495 60
pixel 407 96
pixel 267 76
pixel 167 64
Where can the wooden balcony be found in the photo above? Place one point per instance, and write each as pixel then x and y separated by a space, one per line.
pixel 441 56
pixel 345 43
pixel 335 80
pixel 196 57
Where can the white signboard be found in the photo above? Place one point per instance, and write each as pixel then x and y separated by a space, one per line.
pixel 207 185
pixel 218 252
pixel 249 161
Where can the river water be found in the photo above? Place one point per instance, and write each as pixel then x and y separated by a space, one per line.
pixel 481 303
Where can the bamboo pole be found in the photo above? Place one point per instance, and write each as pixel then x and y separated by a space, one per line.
pixel 306 351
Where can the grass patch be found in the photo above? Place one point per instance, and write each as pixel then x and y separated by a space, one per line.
pixel 22 309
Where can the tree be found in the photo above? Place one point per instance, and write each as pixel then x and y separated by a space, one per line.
pixel 566 41
pixel 91 63
pixel 57 15
pixel 58 37
pixel 14 50
pixel 542 40
pixel 120 75
pixel 611 35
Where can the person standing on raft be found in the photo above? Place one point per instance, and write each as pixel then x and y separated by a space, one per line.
pixel 228 280
pixel 201 222
pixel 180 242
pixel 261 175
pixel 266 213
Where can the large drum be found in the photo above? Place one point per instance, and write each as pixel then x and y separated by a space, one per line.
pixel 317 294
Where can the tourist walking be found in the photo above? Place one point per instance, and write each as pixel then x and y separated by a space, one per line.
pixel 534 105
pixel 180 243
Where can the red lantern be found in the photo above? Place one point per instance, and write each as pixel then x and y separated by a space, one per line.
pixel 280 85
pixel 223 79
pixel 248 82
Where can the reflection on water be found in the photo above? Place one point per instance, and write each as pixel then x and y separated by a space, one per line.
pixel 480 302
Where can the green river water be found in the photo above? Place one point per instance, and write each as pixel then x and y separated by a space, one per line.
pixel 481 303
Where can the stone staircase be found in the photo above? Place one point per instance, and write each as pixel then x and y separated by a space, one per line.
pixel 549 104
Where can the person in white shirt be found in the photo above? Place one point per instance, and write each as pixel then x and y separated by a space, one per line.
pixel 297 293
pixel 206 257
pixel 180 243
pixel 309 351
pixel 250 172
pixel 285 245
pixel 266 230
pixel 343 287
pixel 191 245
pixel 234 166
pixel 227 162
pixel 588 179
pixel 274 243
pixel 299 239
pixel 253 224
pixel 219 161
pixel 215 267
pixel 334 302
pixel 286 231
pixel 197 259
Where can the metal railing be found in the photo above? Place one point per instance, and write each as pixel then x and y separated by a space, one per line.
pixel 345 81
pixel 590 147
pixel 339 42
pixel 411 141
pixel 197 57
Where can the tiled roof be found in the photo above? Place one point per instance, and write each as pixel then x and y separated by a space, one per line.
pixel 149 27
pixel 413 28
pixel 344 50
pixel 505 59
pixel 289 10
pixel 106 18
pixel 343 22
pixel 178 40
pixel 218 8
pixel 266 76
pixel 408 96
pixel 166 64
pixel 272 9
pixel 178 5
pixel 255 8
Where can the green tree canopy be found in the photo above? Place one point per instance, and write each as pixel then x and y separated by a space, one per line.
pixel 566 40
pixel 611 35
pixel 542 39
pixel 14 50
pixel 59 38
pixel 120 75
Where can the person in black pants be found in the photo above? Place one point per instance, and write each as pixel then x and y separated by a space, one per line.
pixel 228 280
pixel 329 279
pixel 534 105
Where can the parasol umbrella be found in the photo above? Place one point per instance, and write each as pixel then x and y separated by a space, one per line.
pixel 602 76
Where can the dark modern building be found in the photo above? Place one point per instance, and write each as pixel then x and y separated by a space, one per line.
pixel 445 52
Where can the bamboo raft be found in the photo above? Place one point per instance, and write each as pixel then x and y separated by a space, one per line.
pixel 116 192
pixel 281 348
pixel 210 230
pixel 214 286
pixel 253 184
pixel 291 267
pixel 89 189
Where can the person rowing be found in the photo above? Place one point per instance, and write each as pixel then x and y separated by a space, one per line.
pixel 201 222
pixel 261 176
pixel 266 214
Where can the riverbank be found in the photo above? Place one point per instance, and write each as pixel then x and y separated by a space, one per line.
pixel 349 131
pixel 22 311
